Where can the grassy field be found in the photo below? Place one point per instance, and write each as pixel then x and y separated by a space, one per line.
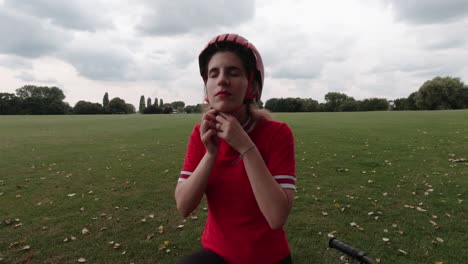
pixel 101 187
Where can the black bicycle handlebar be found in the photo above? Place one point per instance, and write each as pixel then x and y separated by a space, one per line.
pixel 350 251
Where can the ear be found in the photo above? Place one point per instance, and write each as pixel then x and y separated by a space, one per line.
pixel 253 91
pixel 206 95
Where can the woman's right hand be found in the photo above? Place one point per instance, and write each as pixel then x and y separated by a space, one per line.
pixel 208 132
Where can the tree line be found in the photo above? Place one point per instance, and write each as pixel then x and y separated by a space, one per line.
pixel 440 93
pixel 436 94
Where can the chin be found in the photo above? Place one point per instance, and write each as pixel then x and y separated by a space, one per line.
pixel 226 107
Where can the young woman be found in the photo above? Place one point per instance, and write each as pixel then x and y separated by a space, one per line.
pixel 240 159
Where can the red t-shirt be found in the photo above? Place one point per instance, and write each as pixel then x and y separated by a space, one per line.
pixel 236 228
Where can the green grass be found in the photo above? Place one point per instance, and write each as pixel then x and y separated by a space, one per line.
pixel 122 169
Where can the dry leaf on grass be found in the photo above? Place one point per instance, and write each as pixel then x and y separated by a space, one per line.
pixel 27 247
pixel 81 260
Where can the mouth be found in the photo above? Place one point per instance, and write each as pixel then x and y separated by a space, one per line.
pixel 222 93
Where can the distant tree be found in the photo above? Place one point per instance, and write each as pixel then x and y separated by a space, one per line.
pixel 130 109
pixel 374 104
pixel 10 104
pixel 178 105
pixel 117 106
pixel 142 106
pixel 39 100
pixel 105 100
pixel 161 102
pixel 349 105
pixel 440 93
pixel 148 102
pixel 167 109
pixel 309 105
pixel 334 100
pixel 412 102
pixel 271 104
pixel 463 97
pixel 87 108
pixel 156 101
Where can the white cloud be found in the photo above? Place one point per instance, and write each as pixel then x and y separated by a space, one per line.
pixel 79 15
pixel 363 48
pixel 177 17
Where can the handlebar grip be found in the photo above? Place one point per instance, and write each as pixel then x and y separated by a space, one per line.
pixel 350 251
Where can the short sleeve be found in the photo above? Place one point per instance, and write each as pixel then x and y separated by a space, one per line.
pixel 282 161
pixel 194 154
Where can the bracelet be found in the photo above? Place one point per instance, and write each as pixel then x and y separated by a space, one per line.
pixel 241 156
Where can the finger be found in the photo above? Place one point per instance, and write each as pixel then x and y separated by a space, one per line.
pixel 212 111
pixel 220 119
pixel 210 117
pixel 226 116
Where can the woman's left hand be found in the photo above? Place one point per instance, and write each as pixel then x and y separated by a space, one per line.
pixel 232 132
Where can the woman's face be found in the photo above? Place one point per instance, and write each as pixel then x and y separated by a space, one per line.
pixel 227 82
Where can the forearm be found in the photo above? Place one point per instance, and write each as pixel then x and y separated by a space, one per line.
pixel 189 193
pixel 271 198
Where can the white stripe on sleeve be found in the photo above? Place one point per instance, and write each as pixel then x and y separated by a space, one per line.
pixel 288 186
pixel 284 177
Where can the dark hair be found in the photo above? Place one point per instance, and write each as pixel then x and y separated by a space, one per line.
pixel 246 56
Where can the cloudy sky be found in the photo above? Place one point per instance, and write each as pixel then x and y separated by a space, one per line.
pixel 364 48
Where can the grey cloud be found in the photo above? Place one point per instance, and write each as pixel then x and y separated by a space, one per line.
pixel 15 62
pixel 30 77
pixel 109 64
pixel 178 17
pixel 28 37
pixel 78 15
pixel 429 11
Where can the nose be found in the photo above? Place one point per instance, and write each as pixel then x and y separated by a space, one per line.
pixel 223 79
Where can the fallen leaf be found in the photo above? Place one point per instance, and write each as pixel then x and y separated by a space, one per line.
pixel 84 231
pixel 180 227
pixel 385 239
pixel 402 251
pixel 116 245
pixel 81 260
pixel 421 209
pixel 151 216
pixel 26 247
pixel 160 229
pixel 71 194
pixel 353 224
pixel 324 213
pixel 440 239
pixel 149 236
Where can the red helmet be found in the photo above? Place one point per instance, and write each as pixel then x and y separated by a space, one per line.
pixel 240 45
